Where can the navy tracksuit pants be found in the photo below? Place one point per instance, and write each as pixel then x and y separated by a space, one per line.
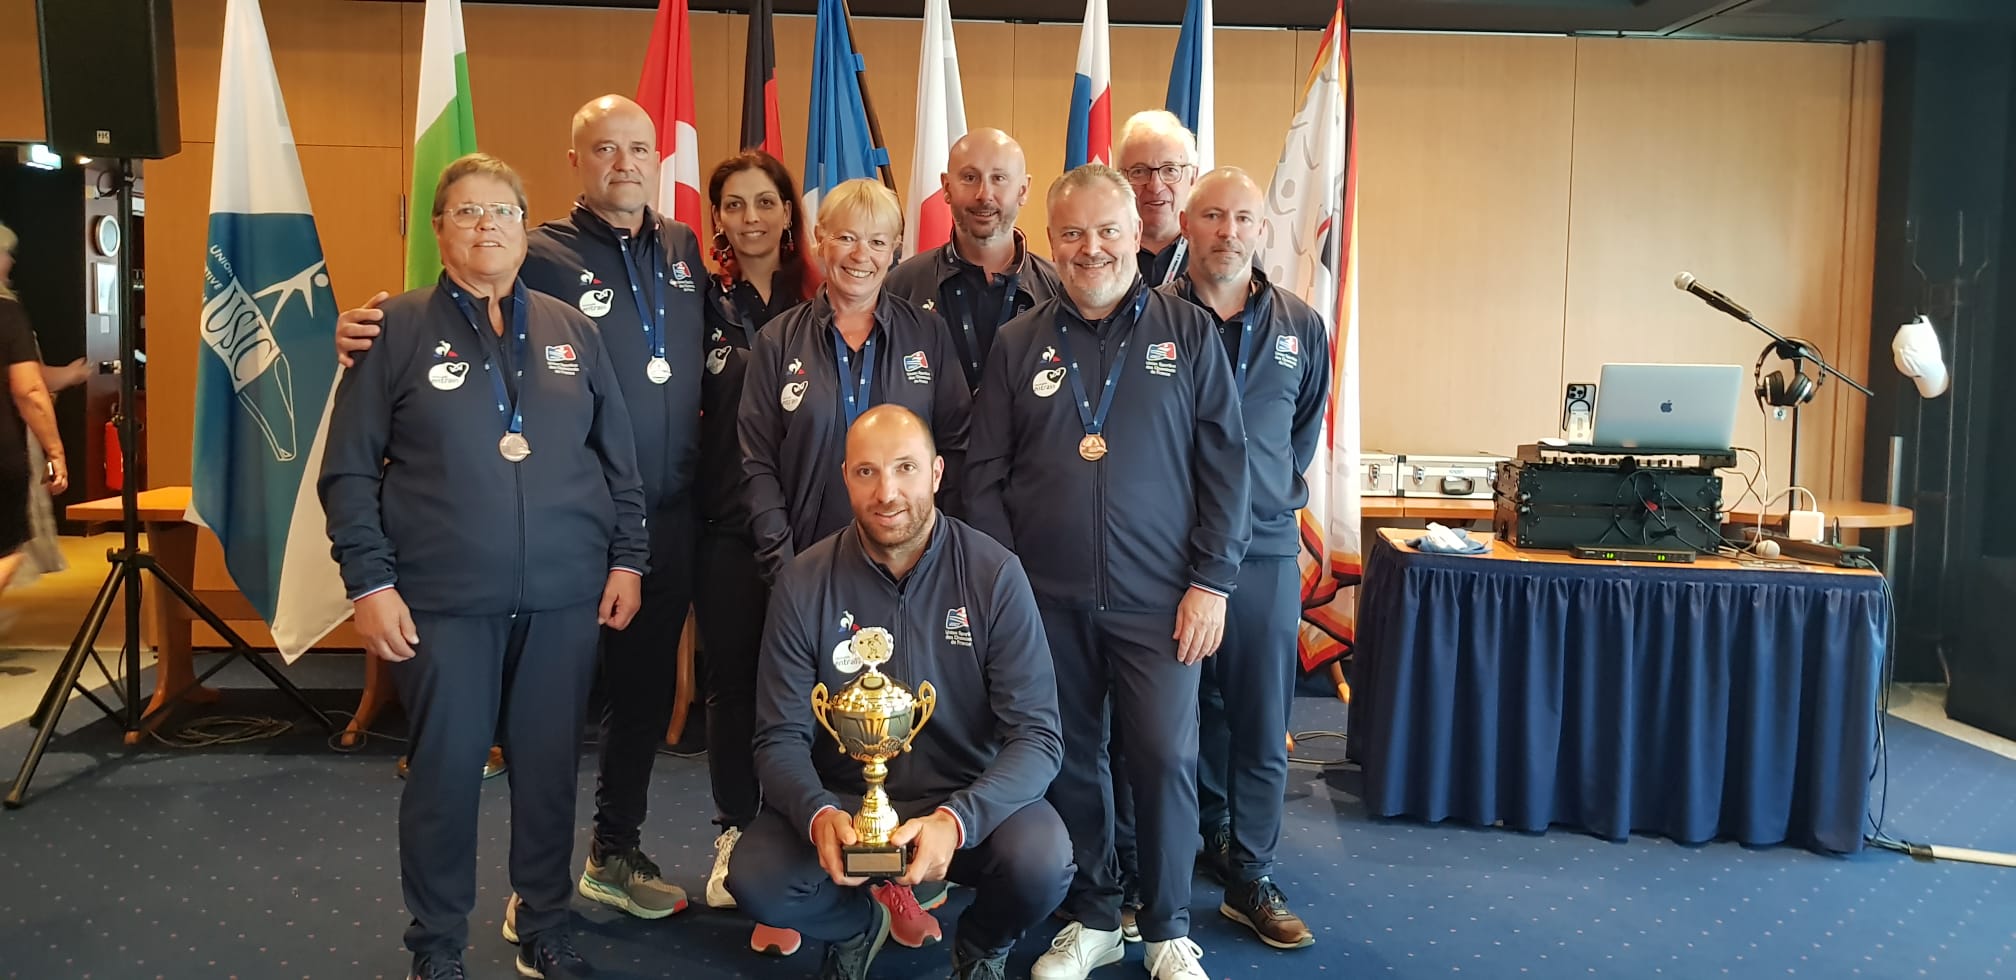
pixel 1244 697
pixel 1121 667
pixel 526 676
pixel 1018 874
pixel 1243 705
pixel 640 672
pixel 731 600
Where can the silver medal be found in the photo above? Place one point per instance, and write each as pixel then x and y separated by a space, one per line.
pixel 658 371
pixel 514 447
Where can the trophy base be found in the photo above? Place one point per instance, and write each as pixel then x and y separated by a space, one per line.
pixel 875 861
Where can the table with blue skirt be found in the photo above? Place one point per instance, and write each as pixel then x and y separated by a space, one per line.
pixel 1705 701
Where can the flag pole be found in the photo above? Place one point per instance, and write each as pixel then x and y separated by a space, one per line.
pixel 867 103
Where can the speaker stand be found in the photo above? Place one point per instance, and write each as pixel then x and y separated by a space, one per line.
pixel 130 565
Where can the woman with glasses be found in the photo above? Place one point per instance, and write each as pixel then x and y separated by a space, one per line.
pixel 811 373
pixel 483 498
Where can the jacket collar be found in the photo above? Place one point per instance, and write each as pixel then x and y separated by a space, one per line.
pixel 590 222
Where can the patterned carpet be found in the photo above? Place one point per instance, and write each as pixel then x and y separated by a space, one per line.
pixel 277 859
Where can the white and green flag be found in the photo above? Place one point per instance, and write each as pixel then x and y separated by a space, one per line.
pixel 444 128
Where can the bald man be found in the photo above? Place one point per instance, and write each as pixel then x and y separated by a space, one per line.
pixel 986 275
pixel 971 789
pixel 1159 157
pixel 637 275
pixel 1279 351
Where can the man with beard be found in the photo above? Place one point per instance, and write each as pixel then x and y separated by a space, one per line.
pixel 1109 455
pixel 1159 157
pixel 955 609
pixel 636 274
pixel 985 276
pixel 1281 365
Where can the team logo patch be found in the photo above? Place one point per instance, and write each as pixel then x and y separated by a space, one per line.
pixel 929 304
pixel 449 375
pixel 916 368
pixel 682 276
pixel 595 302
pixel 1046 383
pixel 957 631
pixel 560 360
pixel 717 360
pixel 1162 359
pixel 795 367
pixel 1288 351
pixel 792 395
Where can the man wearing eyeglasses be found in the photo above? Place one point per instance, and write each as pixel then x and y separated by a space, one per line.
pixel 637 274
pixel 986 275
pixel 1159 157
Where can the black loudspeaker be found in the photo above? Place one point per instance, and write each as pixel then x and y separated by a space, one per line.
pixel 108 78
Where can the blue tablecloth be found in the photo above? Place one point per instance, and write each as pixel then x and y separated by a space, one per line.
pixel 1695 703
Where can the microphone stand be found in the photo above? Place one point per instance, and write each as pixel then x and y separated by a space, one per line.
pixel 1798 353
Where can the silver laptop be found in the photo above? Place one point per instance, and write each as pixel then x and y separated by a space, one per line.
pixel 1668 406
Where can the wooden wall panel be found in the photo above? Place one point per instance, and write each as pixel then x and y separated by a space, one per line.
pixel 1843 480
pixel 1046 55
pixel 355 191
pixel 339 65
pixel 20 72
pixel 1724 159
pixel 1463 195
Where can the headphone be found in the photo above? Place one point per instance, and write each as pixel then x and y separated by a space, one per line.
pixel 1775 388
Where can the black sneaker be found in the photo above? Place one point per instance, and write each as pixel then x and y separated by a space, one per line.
pixel 849 960
pixel 438 966
pixel 1216 857
pixel 970 964
pixel 550 955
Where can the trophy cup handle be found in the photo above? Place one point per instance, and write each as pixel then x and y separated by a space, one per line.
pixel 819 705
pixel 927 702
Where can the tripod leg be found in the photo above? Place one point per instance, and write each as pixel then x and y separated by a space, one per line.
pixel 87 635
pixel 66 678
pixel 240 649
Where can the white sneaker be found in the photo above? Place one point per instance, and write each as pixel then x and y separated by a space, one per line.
pixel 717 879
pixel 1175 959
pixel 1077 951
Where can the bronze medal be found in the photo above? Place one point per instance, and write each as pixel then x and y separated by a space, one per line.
pixel 1092 447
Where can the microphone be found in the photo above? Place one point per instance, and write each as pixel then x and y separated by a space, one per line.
pixel 1685 282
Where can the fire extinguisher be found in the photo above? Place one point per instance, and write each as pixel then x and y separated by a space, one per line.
pixel 115 460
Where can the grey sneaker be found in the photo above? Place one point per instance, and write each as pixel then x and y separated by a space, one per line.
pixel 849 960
pixel 969 964
pixel 630 881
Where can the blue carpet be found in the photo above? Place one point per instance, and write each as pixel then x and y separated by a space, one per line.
pixel 278 859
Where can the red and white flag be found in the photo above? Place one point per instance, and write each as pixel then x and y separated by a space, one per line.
pixel 666 92
pixel 1088 136
pixel 941 120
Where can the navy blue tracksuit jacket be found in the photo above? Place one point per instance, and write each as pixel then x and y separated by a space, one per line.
pixel 581 261
pixel 417 495
pixel 1166 508
pixel 962 619
pixel 793 423
pixel 1282 400
pixel 970 301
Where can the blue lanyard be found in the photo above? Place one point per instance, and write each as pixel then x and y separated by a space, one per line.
pixel 1095 421
pixel 966 319
pixel 507 406
pixel 654 327
pixel 853 392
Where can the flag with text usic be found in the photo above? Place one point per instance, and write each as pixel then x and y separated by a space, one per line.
pixel 941 120
pixel 444 128
pixel 266 376
pixel 1310 248
pixel 1193 91
pixel 1088 137
pixel 760 128
pixel 839 139
pixel 666 92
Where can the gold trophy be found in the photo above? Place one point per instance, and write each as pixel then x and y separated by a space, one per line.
pixel 874 719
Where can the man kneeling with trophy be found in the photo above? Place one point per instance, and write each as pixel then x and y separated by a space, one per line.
pixel 947 778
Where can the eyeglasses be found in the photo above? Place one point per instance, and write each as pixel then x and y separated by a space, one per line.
pixel 471 215
pixel 847 240
pixel 1168 172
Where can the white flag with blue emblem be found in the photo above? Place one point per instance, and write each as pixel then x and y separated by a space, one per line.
pixel 266 375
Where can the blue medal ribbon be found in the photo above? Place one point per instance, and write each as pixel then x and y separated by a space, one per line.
pixel 507 406
pixel 1095 421
pixel 966 318
pixel 654 327
pixel 854 392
